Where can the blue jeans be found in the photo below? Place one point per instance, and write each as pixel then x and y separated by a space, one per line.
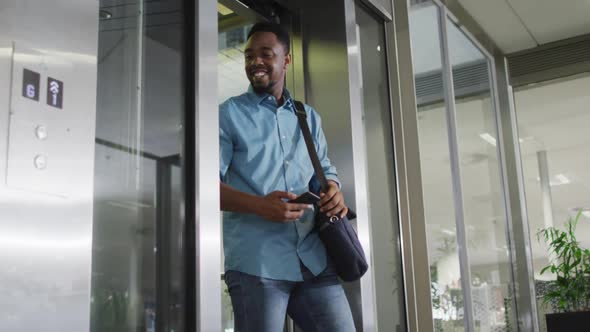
pixel 315 304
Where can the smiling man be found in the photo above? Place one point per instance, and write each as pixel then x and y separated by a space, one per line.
pixel 275 262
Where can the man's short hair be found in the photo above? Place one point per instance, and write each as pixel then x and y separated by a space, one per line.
pixel 278 30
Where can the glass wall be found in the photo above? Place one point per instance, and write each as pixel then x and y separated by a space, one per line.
pixel 437 182
pixel 484 212
pixel 555 144
pixel 138 249
pixel 465 213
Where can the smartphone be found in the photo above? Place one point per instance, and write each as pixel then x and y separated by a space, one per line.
pixel 306 198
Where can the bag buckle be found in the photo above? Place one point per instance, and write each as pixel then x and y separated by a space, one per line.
pixel 331 221
pixel 334 219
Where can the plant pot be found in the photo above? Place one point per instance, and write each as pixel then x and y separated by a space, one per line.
pixel 568 321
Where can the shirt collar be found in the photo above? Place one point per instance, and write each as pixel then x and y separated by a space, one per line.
pixel 258 98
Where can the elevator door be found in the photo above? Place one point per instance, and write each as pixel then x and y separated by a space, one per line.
pixel 93 215
pixel 381 182
pixel 138 266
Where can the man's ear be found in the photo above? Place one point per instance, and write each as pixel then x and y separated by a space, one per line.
pixel 287 61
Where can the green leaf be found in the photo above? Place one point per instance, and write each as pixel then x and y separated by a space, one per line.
pixel 571 265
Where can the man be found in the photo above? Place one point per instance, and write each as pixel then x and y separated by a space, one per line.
pixel 275 262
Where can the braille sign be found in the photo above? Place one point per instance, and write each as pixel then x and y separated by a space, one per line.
pixel 31 84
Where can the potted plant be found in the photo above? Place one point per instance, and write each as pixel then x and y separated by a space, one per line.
pixel 569 293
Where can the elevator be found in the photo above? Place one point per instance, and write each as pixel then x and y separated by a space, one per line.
pixel 109 199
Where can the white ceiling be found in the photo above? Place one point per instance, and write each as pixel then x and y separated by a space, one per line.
pixel 516 25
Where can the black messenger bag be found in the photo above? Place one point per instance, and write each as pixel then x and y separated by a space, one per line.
pixel 338 235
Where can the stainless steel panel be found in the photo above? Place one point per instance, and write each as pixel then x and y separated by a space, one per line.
pixel 6 50
pixel 384 8
pixel 381 184
pixel 295 76
pixel 45 239
pixel 328 89
pixel 359 153
pixel 409 177
pixel 42 138
pixel 208 225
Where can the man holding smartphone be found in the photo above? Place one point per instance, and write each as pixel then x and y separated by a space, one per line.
pixel 274 260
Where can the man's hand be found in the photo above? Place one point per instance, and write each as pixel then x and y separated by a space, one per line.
pixel 332 201
pixel 274 208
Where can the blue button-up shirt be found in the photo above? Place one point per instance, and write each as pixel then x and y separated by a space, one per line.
pixel 262 150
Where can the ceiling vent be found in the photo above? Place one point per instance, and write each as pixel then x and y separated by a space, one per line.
pixel 468 79
pixel 550 61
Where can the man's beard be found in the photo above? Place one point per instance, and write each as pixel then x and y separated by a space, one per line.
pixel 259 89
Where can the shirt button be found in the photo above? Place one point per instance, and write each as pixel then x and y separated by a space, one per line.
pixel 287 162
pixel 291 189
pixel 284 137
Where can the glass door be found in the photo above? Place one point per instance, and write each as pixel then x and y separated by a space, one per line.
pixel 485 220
pixel 437 181
pixel 138 261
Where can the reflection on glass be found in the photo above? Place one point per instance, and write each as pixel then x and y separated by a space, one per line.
pixel 381 184
pixel 446 291
pixel 552 123
pixel 232 79
pixel 138 258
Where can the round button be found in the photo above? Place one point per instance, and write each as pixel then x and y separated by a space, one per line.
pixel 40 161
pixel 41 132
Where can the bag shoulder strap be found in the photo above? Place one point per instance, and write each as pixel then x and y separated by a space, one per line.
pixel 317 166
pixel 315 161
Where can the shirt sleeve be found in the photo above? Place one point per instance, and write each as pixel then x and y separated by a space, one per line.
pixel 226 146
pixel 322 146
